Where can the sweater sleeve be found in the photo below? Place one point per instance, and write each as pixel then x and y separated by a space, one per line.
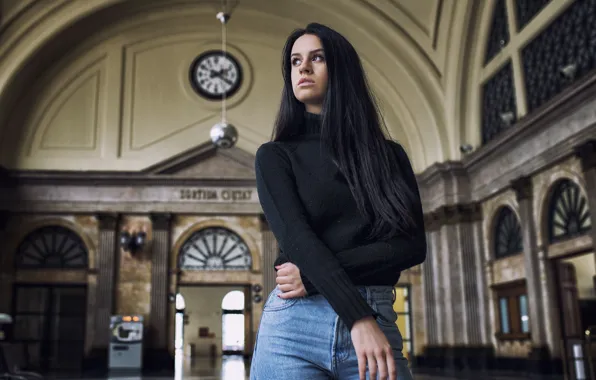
pixel 283 208
pixel 367 262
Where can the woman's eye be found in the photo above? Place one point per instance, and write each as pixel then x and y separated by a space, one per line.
pixel 318 58
pixel 295 61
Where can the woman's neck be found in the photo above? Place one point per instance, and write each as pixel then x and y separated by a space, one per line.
pixel 312 123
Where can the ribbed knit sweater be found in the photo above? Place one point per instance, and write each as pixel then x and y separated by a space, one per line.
pixel 313 215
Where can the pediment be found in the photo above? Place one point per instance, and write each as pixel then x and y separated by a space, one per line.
pixel 207 162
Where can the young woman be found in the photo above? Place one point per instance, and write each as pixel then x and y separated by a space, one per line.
pixel 343 204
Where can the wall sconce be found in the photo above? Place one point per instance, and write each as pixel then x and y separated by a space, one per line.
pixel 466 148
pixel 569 71
pixel 133 242
pixel 507 118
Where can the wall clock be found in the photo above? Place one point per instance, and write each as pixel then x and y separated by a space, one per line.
pixel 215 74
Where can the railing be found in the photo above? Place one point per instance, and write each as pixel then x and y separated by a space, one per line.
pixel 579 356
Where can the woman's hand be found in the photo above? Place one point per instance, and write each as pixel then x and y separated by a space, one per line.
pixel 289 281
pixel 372 346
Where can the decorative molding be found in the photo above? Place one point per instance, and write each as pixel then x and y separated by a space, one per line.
pixel 452 214
pixel 161 221
pixel 523 188
pixel 108 221
pixel 587 154
pixel 183 160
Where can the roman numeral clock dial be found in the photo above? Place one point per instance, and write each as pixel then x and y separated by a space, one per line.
pixel 214 74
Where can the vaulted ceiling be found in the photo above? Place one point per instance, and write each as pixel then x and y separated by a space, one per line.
pixel 419 56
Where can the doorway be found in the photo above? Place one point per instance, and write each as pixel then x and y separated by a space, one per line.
pixel 215 320
pixel 576 284
pixel 49 326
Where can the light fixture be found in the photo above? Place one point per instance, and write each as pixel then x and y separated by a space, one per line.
pixel 132 242
pixel 223 134
pixel 507 118
pixel 569 71
pixel 466 148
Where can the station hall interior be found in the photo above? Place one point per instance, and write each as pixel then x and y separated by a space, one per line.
pixel 120 188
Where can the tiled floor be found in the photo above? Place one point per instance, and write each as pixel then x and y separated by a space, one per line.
pixel 235 368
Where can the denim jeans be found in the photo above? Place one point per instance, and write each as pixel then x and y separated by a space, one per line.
pixel 303 338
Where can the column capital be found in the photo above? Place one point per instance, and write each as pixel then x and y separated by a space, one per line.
pixel 523 188
pixel 462 213
pixel 108 221
pixel 161 221
pixel 453 214
pixel 586 152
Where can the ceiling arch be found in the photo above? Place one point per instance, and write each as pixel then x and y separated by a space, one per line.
pixel 400 45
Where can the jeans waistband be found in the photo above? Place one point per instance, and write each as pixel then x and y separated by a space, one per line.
pixel 377 292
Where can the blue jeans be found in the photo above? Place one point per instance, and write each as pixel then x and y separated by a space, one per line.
pixel 303 338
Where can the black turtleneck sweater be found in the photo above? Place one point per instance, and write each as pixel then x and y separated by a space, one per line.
pixel 313 215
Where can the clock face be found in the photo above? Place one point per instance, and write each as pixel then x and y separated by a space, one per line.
pixel 214 74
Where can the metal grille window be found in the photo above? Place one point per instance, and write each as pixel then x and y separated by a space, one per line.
pixel 507 234
pixel 568 215
pixel 52 247
pixel 215 248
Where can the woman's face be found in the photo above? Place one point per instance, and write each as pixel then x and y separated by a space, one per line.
pixel 309 72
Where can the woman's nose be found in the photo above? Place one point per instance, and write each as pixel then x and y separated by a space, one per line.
pixel 305 68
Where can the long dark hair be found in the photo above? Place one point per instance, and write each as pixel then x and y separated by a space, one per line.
pixel 352 130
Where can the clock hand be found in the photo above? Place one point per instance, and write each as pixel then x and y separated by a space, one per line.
pixel 226 80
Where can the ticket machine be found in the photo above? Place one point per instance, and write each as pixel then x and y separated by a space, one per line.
pixel 126 343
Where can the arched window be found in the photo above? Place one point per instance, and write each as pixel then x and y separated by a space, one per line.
pixel 568 213
pixel 52 247
pixel 507 234
pixel 215 248
pixel 232 322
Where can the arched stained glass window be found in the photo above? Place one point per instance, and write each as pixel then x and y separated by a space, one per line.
pixel 215 248
pixel 507 236
pixel 569 215
pixel 52 247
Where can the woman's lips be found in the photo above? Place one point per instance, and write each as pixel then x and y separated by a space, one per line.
pixel 305 82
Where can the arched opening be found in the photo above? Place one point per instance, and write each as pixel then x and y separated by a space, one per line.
pixel 232 323
pixel 507 234
pixel 568 213
pixel 49 313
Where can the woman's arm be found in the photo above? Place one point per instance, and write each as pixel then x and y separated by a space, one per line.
pixel 369 262
pixel 288 221
pixel 400 252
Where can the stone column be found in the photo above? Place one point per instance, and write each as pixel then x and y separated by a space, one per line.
pixel 482 281
pixel 106 254
pixel 428 285
pixel 160 356
pixel 524 192
pixel 587 156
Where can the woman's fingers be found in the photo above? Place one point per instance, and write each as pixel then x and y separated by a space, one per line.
pixel 372 365
pixel 291 294
pixel 286 287
pixel 391 367
pixel 361 365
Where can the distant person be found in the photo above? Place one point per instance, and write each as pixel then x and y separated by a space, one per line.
pixel 343 204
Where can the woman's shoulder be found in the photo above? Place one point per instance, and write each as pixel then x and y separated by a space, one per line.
pixel 273 153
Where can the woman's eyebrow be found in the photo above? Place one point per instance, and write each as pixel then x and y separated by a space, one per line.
pixel 310 52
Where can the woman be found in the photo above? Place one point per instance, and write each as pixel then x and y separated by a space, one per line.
pixel 343 204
